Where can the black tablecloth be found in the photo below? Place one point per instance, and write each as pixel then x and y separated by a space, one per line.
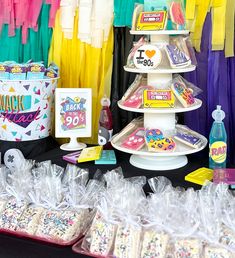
pixel 12 247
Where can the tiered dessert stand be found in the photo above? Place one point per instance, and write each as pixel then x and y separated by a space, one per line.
pixel 163 118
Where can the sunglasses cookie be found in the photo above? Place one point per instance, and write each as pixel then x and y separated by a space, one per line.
pixel 157 142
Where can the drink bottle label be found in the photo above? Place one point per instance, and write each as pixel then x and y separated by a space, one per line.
pixel 218 151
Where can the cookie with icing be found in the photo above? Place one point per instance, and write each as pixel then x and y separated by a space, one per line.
pixel 157 142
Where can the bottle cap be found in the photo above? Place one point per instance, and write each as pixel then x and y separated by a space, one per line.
pixel 218 114
pixel 105 102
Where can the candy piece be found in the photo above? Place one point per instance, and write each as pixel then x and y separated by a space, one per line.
pixel 200 175
pixel 35 71
pixel 187 248
pixel 91 153
pixel 136 100
pixel 28 221
pixel 147 57
pixel 135 141
pixel 102 235
pixel 156 142
pixel 127 241
pixel 61 225
pixel 72 157
pixel 216 252
pixel 183 94
pixel 152 20
pixel 177 58
pixel 225 175
pixel 11 214
pixel 17 71
pixel 4 71
pixel 107 157
pixel 154 244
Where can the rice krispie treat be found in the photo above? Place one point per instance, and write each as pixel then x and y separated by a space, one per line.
pixel 154 244
pixel 127 241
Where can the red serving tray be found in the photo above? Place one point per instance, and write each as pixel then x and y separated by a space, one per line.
pixel 40 239
pixel 77 248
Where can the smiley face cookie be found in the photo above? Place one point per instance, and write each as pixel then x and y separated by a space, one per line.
pixel 157 142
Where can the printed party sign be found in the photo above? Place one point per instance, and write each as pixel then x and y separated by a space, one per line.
pixel 25 109
pixel 147 57
pixel 73 112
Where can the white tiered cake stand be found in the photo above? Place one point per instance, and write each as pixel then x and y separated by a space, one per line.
pixel 163 118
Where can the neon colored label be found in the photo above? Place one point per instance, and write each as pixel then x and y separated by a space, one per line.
pixel 218 151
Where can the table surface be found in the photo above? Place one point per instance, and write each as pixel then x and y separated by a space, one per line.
pixel 12 247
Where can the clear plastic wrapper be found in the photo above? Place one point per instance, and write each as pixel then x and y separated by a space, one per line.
pixel 176 10
pixel 141 42
pixel 130 128
pixel 189 137
pixel 99 239
pixel 184 44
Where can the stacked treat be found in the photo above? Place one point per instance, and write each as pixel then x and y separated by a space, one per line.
pixel 170 222
pixel 42 201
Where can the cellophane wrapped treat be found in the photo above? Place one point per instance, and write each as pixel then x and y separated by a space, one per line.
pixel 18 185
pixel 129 203
pixel 116 228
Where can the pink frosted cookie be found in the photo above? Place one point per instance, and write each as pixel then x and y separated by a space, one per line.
pixel 136 99
pixel 102 235
pixel 154 244
pixel 11 214
pixel 216 252
pixel 29 220
pixel 127 242
pixel 187 248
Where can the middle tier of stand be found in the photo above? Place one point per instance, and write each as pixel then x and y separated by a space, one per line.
pixel 162 69
pixel 177 109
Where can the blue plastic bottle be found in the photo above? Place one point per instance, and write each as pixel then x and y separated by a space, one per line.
pixel 218 140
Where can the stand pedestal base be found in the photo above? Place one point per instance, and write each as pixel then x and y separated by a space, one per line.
pixel 73 145
pixel 158 163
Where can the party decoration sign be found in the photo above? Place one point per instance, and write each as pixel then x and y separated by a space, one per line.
pixel 147 57
pixel 25 109
pixel 73 112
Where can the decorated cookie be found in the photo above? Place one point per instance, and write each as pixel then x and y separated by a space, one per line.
pixel 127 241
pixel 11 214
pixel 135 141
pixel 136 99
pixel 177 15
pixel 102 235
pixel 28 221
pixel 157 142
pixel 155 20
pixel 183 93
pixel 154 244
pixel 147 57
pixel 216 252
pixel 190 248
pixel 177 58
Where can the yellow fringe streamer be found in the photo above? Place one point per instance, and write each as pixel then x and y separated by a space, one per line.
pixel 83 66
